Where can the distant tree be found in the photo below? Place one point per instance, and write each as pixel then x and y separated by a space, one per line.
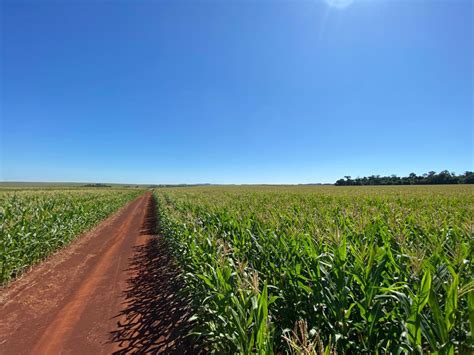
pixel 444 177
pixel 412 178
pixel 468 177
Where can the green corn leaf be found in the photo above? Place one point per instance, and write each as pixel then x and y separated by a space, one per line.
pixel 451 303
pixel 424 292
pixel 470 307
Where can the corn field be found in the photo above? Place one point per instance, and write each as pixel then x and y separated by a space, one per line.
pixel 324 270
pixel 35 223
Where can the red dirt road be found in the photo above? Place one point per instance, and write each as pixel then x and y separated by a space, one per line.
pixel 110 291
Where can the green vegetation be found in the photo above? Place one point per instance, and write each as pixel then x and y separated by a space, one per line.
pixel 431 178
pixel 35 223
pixel 97 185
pixel 318 269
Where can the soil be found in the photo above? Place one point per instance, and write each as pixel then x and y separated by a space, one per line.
pixel 113 290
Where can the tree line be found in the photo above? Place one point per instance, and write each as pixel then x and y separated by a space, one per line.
pixel 430 178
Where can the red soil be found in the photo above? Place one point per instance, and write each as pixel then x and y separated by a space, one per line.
pixel 112 290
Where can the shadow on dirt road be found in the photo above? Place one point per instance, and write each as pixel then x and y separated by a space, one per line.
pixel 154 319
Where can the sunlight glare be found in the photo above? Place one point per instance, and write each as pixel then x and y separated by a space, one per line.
pixel 340 4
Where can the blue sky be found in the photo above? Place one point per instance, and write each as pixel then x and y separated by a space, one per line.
pixel 234 91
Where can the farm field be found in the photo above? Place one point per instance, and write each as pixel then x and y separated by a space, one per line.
pixel 100 294
pixel 238 269
pixel 36 222
pixel 271 177
pixel 325 269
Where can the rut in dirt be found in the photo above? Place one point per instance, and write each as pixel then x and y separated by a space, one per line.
pixel 113 290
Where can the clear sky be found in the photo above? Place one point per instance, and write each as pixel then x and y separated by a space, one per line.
pixel 234 91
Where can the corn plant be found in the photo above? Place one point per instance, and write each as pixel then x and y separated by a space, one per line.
pixel 350 269
pixel 35 223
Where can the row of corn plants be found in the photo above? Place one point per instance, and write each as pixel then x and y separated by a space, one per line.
pixel 35 223
pixel 325 269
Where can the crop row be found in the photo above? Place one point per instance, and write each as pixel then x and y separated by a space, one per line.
pixel 35 223
pixel 323 270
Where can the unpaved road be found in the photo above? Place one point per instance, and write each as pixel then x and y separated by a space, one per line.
pixel 110 291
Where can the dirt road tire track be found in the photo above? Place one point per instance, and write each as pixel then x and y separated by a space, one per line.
pixel 79 300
